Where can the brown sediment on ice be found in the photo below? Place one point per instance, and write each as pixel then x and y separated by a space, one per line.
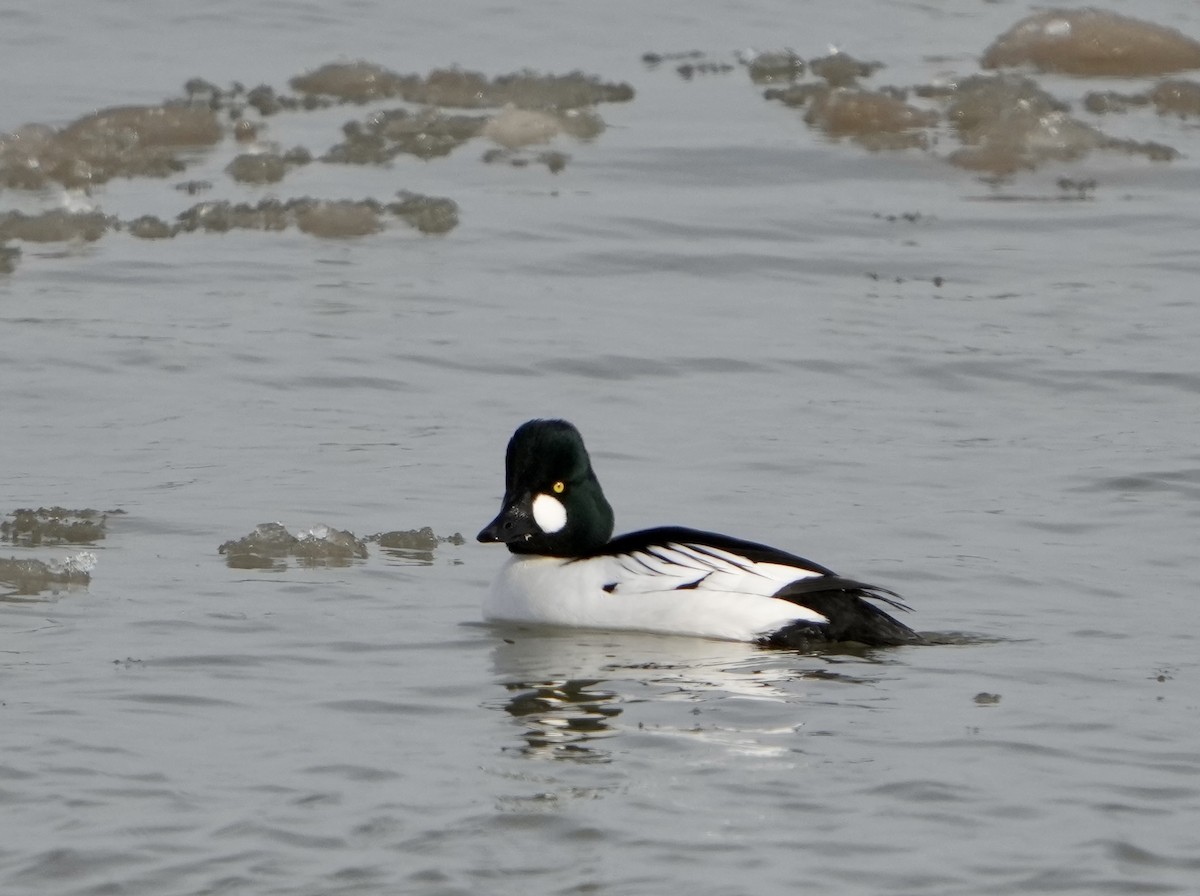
pixel 1003 126
pixel 55 525
pixel 428 214
pixel 54 226
pixel 430 132
pixel 426 134
pixel 532 109
pixel 22 577
pixel 518 110
pixel 773 66
pixel 270 544
pixel 526 90
pixel 414 545
pixel 1102 102
pixel 339 220
pixel 842 70
pixel 1005 123
pixel 1009 123
pixel 423 539
pixel 320 217
pixel 356 82
pixel 266 167
pixel 124 141
pixel 28 576
pixel 875 119
pixel 459 88
pixel 1174 96
pixel 1093 42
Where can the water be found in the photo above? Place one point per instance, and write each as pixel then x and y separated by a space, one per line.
pixel 746 327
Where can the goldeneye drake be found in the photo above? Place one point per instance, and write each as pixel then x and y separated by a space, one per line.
pixel 564 569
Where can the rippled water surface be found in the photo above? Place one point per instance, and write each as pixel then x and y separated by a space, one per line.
pixel 983 395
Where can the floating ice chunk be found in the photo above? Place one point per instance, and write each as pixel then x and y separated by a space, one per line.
pixel 320 532
pixel 80 564
pixel 319 544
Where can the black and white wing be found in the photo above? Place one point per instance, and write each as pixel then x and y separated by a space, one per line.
pixel 672 558
pixel 826 606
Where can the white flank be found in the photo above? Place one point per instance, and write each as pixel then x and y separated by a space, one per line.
pixel 549 513
pixel 641 592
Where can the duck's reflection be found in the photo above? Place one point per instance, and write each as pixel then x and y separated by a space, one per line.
pixel 563 717
pixel 568 688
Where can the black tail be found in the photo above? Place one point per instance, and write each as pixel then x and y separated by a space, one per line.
pixel 852 617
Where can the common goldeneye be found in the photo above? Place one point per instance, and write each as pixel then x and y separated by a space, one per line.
pixel 564 569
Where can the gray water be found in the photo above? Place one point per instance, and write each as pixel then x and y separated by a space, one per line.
pixel 742 317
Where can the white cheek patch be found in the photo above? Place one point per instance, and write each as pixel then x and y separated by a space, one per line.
pixel 549 514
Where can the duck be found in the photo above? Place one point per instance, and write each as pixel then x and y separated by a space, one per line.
pixel 565 569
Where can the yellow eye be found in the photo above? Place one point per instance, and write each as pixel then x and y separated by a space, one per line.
pixel 558 487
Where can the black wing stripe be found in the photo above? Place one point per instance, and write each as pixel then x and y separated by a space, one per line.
pixel 654 552
pixel 727 557
pixel 664 563
pixel 677 557
pixel 637 558
pixel 706 559
pixel 688 586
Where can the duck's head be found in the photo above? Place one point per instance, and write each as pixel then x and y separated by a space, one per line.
pixel 553 504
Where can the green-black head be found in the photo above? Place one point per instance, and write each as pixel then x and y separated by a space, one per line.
pixel 553 503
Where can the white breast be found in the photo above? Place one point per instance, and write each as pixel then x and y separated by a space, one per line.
pixel 724 597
